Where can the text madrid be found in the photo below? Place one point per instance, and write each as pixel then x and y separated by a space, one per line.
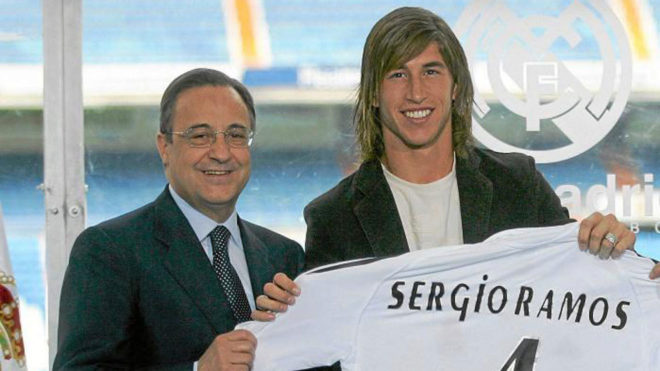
pixel 436 296
pixel 607 199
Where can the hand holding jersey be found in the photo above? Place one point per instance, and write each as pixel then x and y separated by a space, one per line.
pixel 655 272
pixel 524 296
pixel 229 351
pixel 605 236
pixel 277 297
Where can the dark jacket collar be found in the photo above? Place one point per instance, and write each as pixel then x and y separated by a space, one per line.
pixel 376 209
pixel 475 192
pixel 190 267
pixel 256 254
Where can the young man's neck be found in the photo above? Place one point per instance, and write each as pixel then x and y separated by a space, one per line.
pixel 420 166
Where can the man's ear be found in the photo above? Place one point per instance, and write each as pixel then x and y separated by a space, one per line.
pixel 163 148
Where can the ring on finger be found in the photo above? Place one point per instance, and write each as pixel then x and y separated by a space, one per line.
pixel 611 237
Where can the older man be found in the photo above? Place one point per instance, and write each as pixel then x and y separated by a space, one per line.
pixel 163 286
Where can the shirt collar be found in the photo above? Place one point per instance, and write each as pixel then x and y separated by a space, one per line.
pixel 201 224
pixel 452 174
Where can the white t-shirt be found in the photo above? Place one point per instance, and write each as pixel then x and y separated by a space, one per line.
pixel 525 296
pixel 430 213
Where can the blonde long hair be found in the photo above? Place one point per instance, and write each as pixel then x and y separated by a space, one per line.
pixel 395 39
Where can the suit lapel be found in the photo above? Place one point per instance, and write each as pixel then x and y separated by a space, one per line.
pixel 189 266
pixel 476 195
pixel 377 212
pixel 256 255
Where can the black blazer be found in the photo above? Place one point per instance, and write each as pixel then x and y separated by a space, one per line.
pixel 358 217
pixel 139 292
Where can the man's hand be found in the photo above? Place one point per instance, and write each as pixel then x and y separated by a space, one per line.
pixel 593 236
pixel 230 351
pixel 278 295
pixel 605 236
pixel 655 272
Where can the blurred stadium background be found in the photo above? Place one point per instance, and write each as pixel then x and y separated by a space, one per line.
pixel 301 59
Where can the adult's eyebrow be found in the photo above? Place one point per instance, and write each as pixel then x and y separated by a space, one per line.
pixel 238 125
pixel 435 64
pixel 425 65
pixel 198 125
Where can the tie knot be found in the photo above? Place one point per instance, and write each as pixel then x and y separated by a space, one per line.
pixel 219 237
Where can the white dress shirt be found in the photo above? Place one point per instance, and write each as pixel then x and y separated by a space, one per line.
pixel 202 225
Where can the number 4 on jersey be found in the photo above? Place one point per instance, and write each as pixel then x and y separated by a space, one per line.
pixel 522 358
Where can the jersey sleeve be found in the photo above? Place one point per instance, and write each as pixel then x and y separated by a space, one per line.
pixel 320 328
pixel 647 293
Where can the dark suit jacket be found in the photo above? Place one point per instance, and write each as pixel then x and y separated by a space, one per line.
pixel 358 217
pixel 139 292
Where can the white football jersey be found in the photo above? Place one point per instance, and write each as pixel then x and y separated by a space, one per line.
pixel 525 299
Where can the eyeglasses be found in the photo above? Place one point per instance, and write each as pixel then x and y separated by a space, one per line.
pixel 203 136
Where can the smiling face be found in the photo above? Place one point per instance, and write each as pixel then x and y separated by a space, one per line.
pixel 415 103
pixel 210 179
